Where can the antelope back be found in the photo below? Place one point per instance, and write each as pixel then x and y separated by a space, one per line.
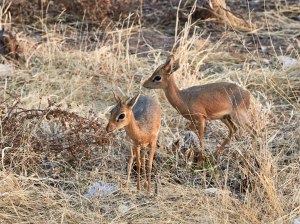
pixel 146 109
pixel 215 100
pixel 217 93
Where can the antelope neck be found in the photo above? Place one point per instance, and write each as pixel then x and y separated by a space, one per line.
pixel 132 129
pixel 175 98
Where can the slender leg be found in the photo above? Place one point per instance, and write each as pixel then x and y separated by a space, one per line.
pixel 143 155
pixel 151 155
pixel 201 128
pixel 129 167
pixel 138 157
pixel 232 129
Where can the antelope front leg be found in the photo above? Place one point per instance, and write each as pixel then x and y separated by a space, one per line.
pixel 201 129
pixel 138 158
pixel 143 154
pixel 150 162
pixel 129 167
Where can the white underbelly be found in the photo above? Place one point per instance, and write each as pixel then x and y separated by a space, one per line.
pixel 218 115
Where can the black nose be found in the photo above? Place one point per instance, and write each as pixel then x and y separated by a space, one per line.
pixel 110 128
pixel 145 84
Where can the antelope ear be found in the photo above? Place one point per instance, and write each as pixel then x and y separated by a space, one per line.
pixel 171 65
pixel 117 98
pixel 131 102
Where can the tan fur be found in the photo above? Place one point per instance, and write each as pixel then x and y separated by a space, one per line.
pixel 141 123
pixel 223 101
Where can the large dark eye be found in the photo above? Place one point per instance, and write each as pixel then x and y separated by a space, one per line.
pixel 157 79
pixel 121 117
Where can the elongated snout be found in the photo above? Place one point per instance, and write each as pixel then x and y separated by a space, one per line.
pixel 110 128
pixel 150 84
pixel 146 84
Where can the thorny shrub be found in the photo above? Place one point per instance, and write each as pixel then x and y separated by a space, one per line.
pixel 48 131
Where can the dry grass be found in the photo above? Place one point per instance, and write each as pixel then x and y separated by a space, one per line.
pixel 257 180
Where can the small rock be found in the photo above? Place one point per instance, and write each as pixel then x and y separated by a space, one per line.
pixel 215 191
pixel 263 48
pixel 101 189
pixel 288 62
pixel 296 220
pixel 123 208
pixel 266 61
pixel 294 75
pixel 6 70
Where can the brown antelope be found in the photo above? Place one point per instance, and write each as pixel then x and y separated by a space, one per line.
pixel 224 101
pixel 141 117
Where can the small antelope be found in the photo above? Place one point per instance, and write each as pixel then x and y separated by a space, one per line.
pixel 224 101
pixel 141 117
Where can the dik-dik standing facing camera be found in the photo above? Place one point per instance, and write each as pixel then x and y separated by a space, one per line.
pixel 140 116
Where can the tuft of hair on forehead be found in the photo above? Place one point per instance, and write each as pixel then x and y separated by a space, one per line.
pixel 115 108
pixel 159 68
